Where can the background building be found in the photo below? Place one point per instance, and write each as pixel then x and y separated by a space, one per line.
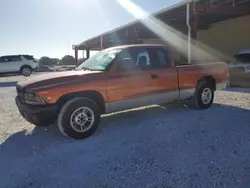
pixel 194 30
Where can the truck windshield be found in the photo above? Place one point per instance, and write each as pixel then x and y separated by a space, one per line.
pixel 99 61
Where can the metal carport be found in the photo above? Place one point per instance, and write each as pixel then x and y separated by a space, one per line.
pixel 188 17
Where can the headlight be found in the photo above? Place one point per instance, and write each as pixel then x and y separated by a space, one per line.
pixel 32 98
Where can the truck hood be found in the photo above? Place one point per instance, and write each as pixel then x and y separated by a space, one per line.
pixel 53 79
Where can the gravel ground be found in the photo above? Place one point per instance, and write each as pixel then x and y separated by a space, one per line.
pixel 159 146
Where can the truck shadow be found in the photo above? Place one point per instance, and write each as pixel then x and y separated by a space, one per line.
pixel 167 114
pixel 8 75
pixel 115 125
pixel 164 125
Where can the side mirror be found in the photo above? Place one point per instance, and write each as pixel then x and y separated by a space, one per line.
pixel 127 64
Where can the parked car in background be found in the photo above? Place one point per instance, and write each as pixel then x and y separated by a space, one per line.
pixel 240 69
pixel 241 62
pixel 23 64
pixel 116 79
pixel 58 68
pixel 44 68
pixel 65 68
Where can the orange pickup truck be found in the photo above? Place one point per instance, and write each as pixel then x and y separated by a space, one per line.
pixel 112 80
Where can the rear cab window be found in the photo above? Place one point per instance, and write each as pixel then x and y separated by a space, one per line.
pixel 159 57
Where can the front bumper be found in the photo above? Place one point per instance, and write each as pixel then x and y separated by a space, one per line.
pixel 38 115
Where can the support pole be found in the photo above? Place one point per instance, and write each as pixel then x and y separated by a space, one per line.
pixel 189 32
pixel 134 35
pixel 195 21
pixel 101 42
pixel 87 53
pixel 76 56
pixel 83 54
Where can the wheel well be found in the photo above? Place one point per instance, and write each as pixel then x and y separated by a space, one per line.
pixel 94 95
pixel 24 67
pixel 209 79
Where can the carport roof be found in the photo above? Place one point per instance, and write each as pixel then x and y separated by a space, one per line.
pixel 205 8
pixel 134 22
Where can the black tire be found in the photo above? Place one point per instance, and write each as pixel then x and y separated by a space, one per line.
pixel 197 98
pixel 66 112
pixel 26 70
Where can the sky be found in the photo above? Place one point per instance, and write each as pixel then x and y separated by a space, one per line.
pixel 51 27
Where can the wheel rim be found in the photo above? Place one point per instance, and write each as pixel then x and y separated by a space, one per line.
pixel 26 71
pixel 206 96
pixel 82 119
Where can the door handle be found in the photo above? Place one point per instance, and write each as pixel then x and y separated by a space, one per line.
pixel 154 76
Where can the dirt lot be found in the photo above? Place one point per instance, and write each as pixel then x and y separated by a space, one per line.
pixel 160 146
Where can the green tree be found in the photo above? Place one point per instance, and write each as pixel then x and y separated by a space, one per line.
pixel 67 60
pixel 55 61
pixel 45 61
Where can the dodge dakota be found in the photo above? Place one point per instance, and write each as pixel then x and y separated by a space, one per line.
pixel 116 79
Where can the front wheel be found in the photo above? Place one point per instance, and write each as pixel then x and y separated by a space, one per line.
pixel 79 118
pixel 204 95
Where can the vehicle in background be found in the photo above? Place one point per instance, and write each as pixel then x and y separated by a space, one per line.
pixel 241 62
pixel 58 68
pixel 116 79
pixel 240 69
pixel 64 68
pixel 23 64
pixel 44 68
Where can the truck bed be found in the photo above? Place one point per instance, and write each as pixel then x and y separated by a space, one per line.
pixel 189 74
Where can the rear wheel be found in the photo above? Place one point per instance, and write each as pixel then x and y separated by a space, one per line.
pixel 204 95
pixel 26 71
pixel 79 118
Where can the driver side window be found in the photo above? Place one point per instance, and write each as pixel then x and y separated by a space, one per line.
pixel 134 58
pixel 126 62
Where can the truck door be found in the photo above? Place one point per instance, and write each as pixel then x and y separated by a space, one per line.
pixel 133 86
pixel 166 74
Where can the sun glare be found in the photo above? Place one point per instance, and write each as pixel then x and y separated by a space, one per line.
pixel 170 35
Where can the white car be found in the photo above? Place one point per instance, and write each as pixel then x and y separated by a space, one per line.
pixel 23 64
pixel 241 62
